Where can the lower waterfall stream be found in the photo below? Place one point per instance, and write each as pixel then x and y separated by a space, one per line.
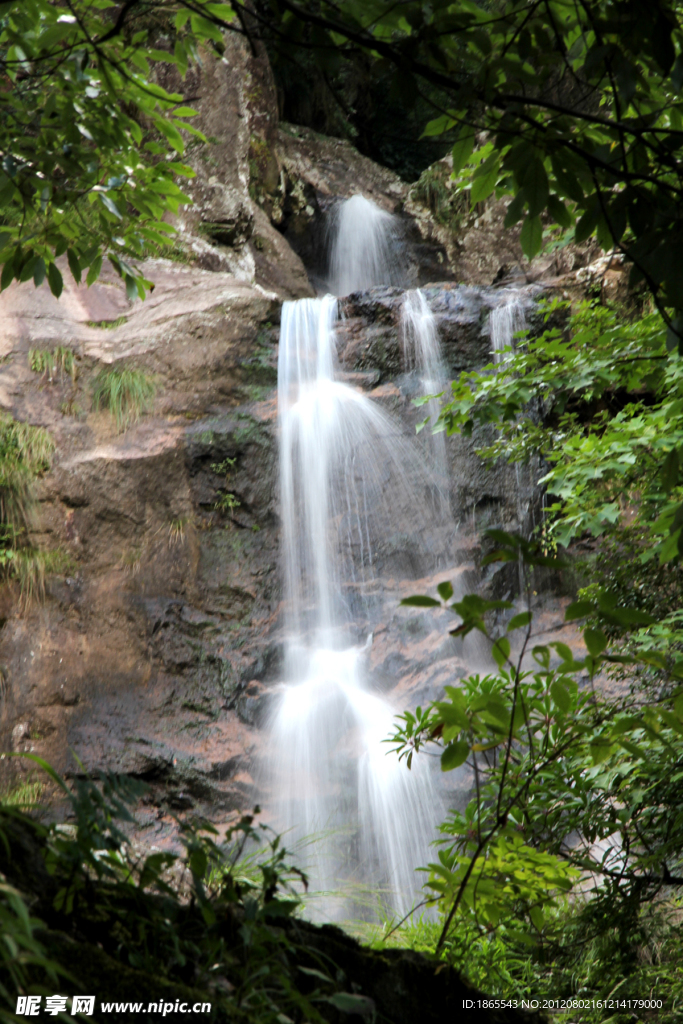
pixel 348 476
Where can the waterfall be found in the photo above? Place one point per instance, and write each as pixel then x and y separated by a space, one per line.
pixel 353 488
pixel 421 346
pixel 505 321
pixel 365 247
pixel 422 354
pixel 349 480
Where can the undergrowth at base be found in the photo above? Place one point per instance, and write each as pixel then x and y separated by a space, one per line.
pixel 214 924
pixel 580 961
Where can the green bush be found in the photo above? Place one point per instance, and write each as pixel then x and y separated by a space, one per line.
pixel 561 877
pixel 127 394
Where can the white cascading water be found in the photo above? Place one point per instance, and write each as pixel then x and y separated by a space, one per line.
pixel 365 249
pixel 343 479
pixel 505 321
pixel 350 481
pixel 422 354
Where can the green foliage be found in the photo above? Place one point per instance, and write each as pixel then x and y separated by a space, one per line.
pixel 21 953
pixel 177 529
pixel 574 795
pixel 127 394
pixel 435 190
pixel 91 141
pixel 227 501
pixel 25 795
pixel 108 325
pixel 25 454
pixel 31 568
pixel 601 402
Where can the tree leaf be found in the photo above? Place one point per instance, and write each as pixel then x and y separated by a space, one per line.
pixel 438 126
pixel 131 287
pixel 454 755
pixel 55 280
pixel 531 236
pixel 579 610
pixel 39 271
pixel 600 751
pixel 595 641
pixel 445 591
pixel 561 696
pixel 421 601
pixel 7 275
pixel 462 149
pixel 485 180
pixel 74 265
pixel 501 650
pixel 515 210
pixel 518 621
pixel 346 1002
pixel 110 205
pixel 670 470
pixel 94 271
pixel 629 617
pixel 559 212
pixel 535 183
pixel 588 222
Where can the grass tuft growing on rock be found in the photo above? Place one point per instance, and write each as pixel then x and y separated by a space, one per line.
pixel 108 325
pixel 177 528
pixel 434 189
pixel 31 568
pixel 50 361
pixel 25 454
pixel 25 796
pixel 127 394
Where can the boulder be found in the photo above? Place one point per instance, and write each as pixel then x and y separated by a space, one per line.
pixel 225 228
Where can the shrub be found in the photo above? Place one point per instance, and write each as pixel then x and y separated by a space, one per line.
pixel 561 877
pixel 126 393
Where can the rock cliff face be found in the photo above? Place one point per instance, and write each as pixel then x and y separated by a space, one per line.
pixel 137 654
pixel 157 651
